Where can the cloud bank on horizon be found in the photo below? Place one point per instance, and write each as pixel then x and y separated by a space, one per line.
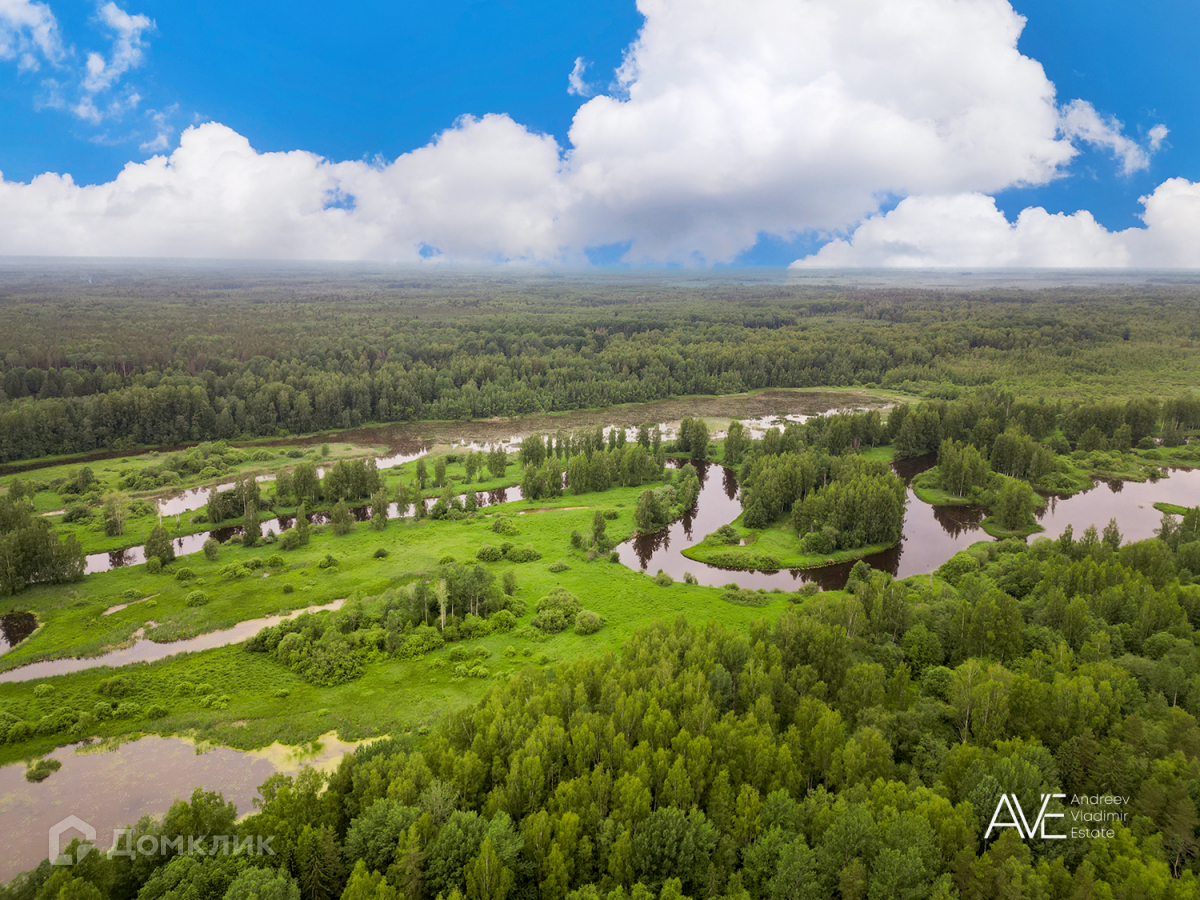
pixel 726 120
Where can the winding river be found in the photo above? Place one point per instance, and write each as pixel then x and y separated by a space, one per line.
pixel 932 534
pixel 110 789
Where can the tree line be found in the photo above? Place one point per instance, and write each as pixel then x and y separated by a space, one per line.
pixel 76 376
pixel 854 747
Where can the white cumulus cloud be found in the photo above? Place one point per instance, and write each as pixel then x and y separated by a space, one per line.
pixel 969 230
pixel 485 190
pixel 728 119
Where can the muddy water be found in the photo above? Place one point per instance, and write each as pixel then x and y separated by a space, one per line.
pixel 111 788
pixel 146 650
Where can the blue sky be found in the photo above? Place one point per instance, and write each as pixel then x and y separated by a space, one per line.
pixel 373 81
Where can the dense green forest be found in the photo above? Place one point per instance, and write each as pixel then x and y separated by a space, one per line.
pixel 209 361
pixel 552 724
pixel 855 747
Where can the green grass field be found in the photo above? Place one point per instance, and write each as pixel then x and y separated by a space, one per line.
pixel 394 694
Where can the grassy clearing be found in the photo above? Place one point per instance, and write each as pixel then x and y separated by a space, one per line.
pixel 768 550
pixel 127 475
pixel 1173 508
pixel 992 527
pixel 394 694
pixel 925 486
pixel 1135 465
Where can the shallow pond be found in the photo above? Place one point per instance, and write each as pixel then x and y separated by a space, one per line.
pixel 111 788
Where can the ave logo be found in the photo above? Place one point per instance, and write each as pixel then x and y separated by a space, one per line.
pixel 1017 819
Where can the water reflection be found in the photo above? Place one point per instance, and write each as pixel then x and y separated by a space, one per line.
pixel 14 628
pixel 194 543
pixel 1131 503
pixel 932 534
pixel 146 650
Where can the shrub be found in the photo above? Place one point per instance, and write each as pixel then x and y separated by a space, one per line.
pixel 128 708
pixel 745 597
pixel 744 560
pixel 488 553
pixel 275 561
pixel 184 689
pixel 689 578
pixel 446 560
pixel 289 589
pixel 559 566
pixel 43 690
pixel 280 693
pixel 821 543
pixel 41 770
pixel 253 564
pixel 576 539
pixel 290 539
pixel 611 514
pixel 196 598
pixel 505 526
pixel 154 565
pixel 77 512
pixel 503 621
pixel 458 654
pixel 381 553
pixel 614 557
pixel 556 611
pixel 509 580
pixel 422 640
pixel 524 554
pixel 328 562
pixel 156 711
pixel 726 534
pixel 185 574
pixel 662 579
pixel 472 627
pixel 233 570
pixel 588 622
pixel 117 686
